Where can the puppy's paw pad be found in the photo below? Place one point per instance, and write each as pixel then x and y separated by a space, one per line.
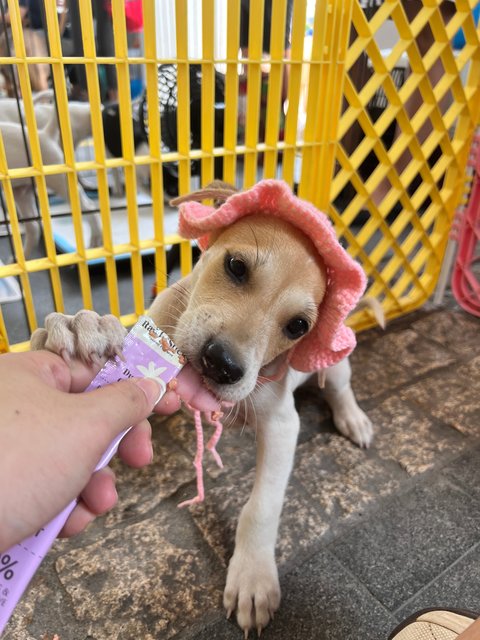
pixel 253 590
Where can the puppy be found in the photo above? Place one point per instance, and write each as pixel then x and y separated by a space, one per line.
pixel 45 113
pixel 262 310
pixel 52 153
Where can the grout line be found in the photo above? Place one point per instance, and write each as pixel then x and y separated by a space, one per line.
pixel 436 578
pixel 363 585
pixel 420 481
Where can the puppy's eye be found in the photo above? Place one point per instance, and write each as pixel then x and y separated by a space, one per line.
pixel 236 268
pixel 296 328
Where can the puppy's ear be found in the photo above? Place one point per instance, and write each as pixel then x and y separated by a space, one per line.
pixel 276 369
pixel 217 190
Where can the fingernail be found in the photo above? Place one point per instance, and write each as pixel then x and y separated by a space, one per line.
pixel 150 387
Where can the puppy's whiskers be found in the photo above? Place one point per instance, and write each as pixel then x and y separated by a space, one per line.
pixel 261 386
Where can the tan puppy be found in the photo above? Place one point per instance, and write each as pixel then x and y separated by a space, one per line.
pixel 251 298
pixel 255 292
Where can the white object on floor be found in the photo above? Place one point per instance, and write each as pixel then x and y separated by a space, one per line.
pixel 9 289
pixel 64 232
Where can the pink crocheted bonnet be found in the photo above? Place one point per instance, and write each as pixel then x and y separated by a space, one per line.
pixel 330 340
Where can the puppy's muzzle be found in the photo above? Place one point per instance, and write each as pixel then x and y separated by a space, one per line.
pixel 219 364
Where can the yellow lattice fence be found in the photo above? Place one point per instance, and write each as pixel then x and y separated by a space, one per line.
pixel 389 176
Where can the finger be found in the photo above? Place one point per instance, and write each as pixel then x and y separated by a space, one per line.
pixel 46 365
pixel 193 391
pixel 100 494
pixel 104 413
pixel 136 447
pixel 82 374
pixel 77 521
pixel 169 403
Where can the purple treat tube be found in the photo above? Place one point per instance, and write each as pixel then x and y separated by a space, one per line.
pixel 148 353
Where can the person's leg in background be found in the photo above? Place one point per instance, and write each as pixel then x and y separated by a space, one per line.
pixel 36 45
pixel 77 76
pixel 106 47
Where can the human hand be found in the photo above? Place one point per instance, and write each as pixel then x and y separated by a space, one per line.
pixel 53 437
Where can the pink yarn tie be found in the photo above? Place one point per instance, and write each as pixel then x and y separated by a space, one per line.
pixel 212 418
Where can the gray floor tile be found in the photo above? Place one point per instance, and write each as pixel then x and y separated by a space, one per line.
pixel 411 541
pixel 454 329
pixel 320 601
pixel 458 587
pixel 465 472
pixel 45 611
pixel 342 479
pixel 451 396
pixel 416 442
pixel 301 525
pixel 155 578
pixel 382 364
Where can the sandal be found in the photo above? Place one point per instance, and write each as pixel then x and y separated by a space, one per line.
pixel 439 624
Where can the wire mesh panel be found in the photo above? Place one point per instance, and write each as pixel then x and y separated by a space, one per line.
pixel 364 108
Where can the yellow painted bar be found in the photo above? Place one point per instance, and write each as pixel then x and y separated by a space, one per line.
pixel 314 102
pixel 60 88
pixel 183 118
pixel 208 91
pixel 36 155
pixel 322 114
pixel 20 263
pixel 231 92
pixel 89 47
pixel 185 258
pixel 275 86
pixel 156 175
pixel 327 123
pixel 128 148
pixel 254 79
pixel 297 68
pixel 183 108
pixel 4 344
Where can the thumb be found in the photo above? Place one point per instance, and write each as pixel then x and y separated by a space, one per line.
pixel 110 409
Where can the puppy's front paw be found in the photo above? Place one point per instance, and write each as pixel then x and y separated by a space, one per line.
pixel 353 423
pixel 252 589
pixel 86 336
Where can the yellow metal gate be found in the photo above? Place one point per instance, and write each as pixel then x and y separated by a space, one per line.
pixel 337 122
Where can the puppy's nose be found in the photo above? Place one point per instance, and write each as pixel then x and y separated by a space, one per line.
pixel 219 364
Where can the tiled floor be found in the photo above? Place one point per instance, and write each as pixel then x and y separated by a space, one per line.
pixel 366 538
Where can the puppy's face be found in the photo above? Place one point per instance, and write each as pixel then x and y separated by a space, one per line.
pixel 254 294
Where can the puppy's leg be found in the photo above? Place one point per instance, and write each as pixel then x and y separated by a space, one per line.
pixel 349 419
pixel 26 208
pixel 252 581
pixel 58 183
pixel 118 189
pixel 96 239
pixel 143 170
